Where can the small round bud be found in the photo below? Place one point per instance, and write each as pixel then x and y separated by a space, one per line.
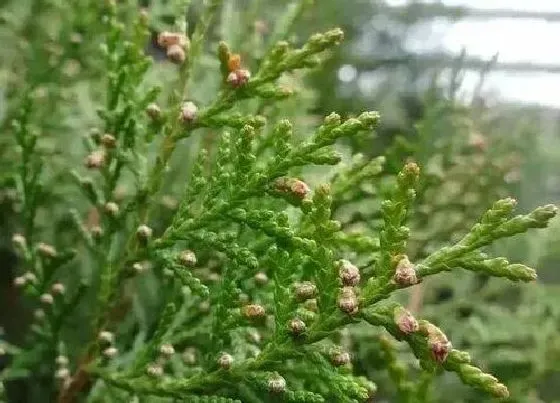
pixel 204 307
pixel 405 273
pixel 2 351
pixel 110 352
pixel 140 268
pixel 106 337
pixel 348 273
pixel 238 78
pixel 188 112
pixel 47 299
pixel 276 384
pixel 261 278
pixel 154 370
pixel 61 361
pixel 176 54
pixel 293 187
pixel 30 277
pixel 254 337
pixel 225 361
pixel 187 258
pixel 144 233
pixel 440 349
pixel 254 311
pixel 305 291
pixel 167 350
pixel 46 250
pixel 339 358
pixel 95 160
pixel 405 321
pixel 96 232
pixel 112 209
pixel 108 140
pixel 58 289
pixel 296 327
pixel 153 111
pixel 167 39
pixel 19 241
pixel 39 314
pixel 62 374
pixel 20 281
pixel 347 301
pixel 311 305
pixel 189 356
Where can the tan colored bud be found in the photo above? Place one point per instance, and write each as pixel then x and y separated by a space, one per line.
pixel 225 361
pixel 46 250
pixel 18 240
pixel 108 140
pixel 30 277
pixel 296 326
pixel 254 311
pixel 339 358
pixel 405 321
pixel 110 352
pixel 305 291
pixel 348 273
pixel 58 289
pixel 112 209
pixel 95 160
pixel 106 337
pixel 238 78
pixel 347 301
pixel 188 112
pixel 176 54
pixel 189 356
pixel 153 111
pixel 62 374
pixel 167 39
pixel 167 350
pixel 143 232
pixel 405 273
pixel 261 278
pixel 187 258
pixel 61 361
pixel 20 281
pixel 276 384
pixel 46 299
pixel 154 370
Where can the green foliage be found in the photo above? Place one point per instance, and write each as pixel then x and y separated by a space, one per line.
pixel 195 224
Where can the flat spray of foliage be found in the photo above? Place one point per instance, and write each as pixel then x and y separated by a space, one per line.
pixel 255 279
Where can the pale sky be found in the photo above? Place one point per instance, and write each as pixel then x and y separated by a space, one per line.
pixel 514 40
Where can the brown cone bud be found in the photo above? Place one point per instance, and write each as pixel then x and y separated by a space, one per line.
pixel 349 274
pixel 225 361
pixel 254 311
pixel 305 291
pixel 405 273
pixel 296 327
pixel 276 384
pixel 347 301
pixel 405 321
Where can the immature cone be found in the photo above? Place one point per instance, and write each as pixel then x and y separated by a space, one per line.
pixel 405 273
pixel 106 337
pixel 30 277
pixel 405 321
pixel 176 54
pixel 19 241
pixel 108 140
pixel 112 209
pixel 58 289
pixel 144 232
pixel 261 278
pixel 238 78
pixel 62 374
pixel 188 112
pixel 95 160
pixel 225 361
pixel 438 343
pixel 153 111
pixel 305 291
pixel 254 311
pixel 47 299
pixel 189 356
pixel 46 250
pixel 110 352
pixel 61 361
pixel 349 274
pixel 276 384
pixel 166 39
pixel 347 301
pixel 296 326
pixel 339 358
pixel 20 281
pixel 167 350
pixel 187 258
pixel 154 370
